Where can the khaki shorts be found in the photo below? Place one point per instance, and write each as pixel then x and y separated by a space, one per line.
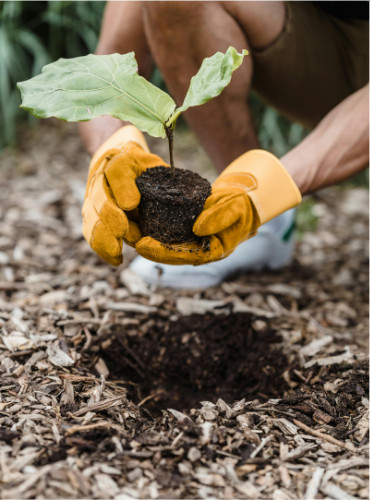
pixel 315 63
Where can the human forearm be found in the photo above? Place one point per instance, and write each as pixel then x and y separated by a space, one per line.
pixel 122 31
pixel 336 149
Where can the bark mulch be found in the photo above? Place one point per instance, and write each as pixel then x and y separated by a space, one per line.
pixel 109 388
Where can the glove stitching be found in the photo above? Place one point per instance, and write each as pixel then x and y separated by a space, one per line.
pixel 261 213
pixel 107 202
pixel 126 146
pixel 91 182
pixel 237 185
pixel 106 156
pixel 93 231
pixel 231 174
pixel 248 236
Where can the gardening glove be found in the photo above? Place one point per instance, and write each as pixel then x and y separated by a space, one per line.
pixel 108 213
pixel 253 189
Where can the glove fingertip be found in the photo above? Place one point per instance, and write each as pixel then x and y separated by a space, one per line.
pixel 122 182
pixel 146 242
pixel 148 248
pixel 106 245
pixel 133 234
pixel 115 219
pixel 127 198
pixel 206 225
pixel 113 261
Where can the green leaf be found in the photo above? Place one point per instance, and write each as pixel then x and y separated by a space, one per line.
pixel 213 76
pixel 82 88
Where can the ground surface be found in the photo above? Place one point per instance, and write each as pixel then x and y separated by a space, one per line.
pixel 254 389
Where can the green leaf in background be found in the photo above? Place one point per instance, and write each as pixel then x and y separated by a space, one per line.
pixel 213 76
pixel 82 88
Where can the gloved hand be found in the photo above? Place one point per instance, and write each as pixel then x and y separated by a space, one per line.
pixel 111 194
pixel 253 189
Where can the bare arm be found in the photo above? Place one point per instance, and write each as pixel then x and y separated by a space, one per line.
pixel 122 31
pixel 336 149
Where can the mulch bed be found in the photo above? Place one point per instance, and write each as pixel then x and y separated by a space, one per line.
pixel 257 388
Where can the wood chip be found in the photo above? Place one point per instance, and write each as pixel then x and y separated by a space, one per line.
pixel 101 405
pixel 58 357
pixel 331 360
pixel 316 345
pixel 334 491
pixel 314 484
pixel 323 436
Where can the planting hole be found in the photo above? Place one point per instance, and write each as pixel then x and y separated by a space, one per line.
pixel 196 358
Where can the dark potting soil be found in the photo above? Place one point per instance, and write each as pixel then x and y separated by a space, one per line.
pixel 170 203
pixel 196 358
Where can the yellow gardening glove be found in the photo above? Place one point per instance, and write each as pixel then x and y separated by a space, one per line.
pixel 111 194
pixel 253 189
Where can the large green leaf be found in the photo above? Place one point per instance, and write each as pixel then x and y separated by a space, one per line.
pixel 82 88
pixel 213 76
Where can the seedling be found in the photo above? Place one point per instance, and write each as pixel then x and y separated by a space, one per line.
pixel 85 87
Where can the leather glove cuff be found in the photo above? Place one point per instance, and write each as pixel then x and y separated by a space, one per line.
pixel 270 186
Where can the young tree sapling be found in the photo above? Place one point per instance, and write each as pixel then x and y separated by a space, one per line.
pixel 83 88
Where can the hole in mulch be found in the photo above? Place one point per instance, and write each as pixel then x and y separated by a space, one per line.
pixel 197 358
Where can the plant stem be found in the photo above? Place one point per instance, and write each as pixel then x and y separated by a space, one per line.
pixel 169 133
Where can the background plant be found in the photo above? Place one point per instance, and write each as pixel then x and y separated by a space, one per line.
pixel 33 34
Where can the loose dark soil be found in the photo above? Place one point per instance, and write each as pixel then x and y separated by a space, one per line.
pixel 197 358
pixel 170 203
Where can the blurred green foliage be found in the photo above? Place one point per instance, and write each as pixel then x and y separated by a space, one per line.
pixel 275 132
pixel 33 34
pixel 306 218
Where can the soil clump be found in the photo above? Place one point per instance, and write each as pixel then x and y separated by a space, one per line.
pixel 170 203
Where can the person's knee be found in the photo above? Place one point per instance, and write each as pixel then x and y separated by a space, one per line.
pixel 261 22
pixel 182 34
pixel 166 11
pixel 174 15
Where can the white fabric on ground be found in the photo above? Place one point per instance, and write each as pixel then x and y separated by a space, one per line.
pixel 266 250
